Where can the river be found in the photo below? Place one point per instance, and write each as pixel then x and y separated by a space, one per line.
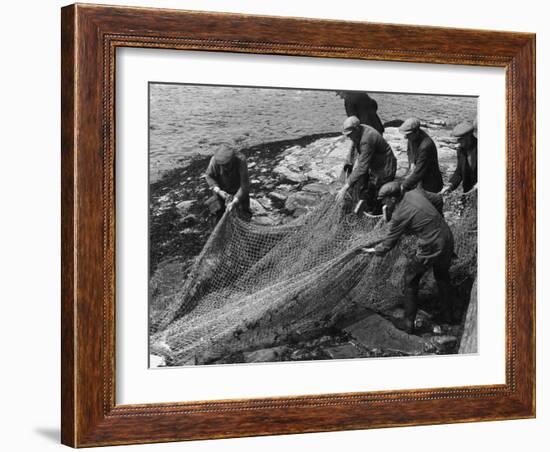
pixel 185 120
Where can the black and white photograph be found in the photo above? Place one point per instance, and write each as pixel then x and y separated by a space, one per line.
pixel 297 225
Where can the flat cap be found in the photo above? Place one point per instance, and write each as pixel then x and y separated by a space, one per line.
pixel 410 125
pixel 462 129
pixel 224 155
pixel 350 124
pixel 392 188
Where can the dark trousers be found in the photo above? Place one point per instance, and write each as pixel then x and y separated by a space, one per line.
pixel 415 269
pixel 369 194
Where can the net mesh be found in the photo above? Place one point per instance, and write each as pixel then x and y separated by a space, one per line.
pixel 258 286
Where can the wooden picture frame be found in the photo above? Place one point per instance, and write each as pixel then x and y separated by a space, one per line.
pixel 90 36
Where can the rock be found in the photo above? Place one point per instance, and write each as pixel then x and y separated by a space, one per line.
pixel 322 176
pixel 302 355
pixel 278 195
pixel 302 200
pixel 264 355
pixel 189 220
pixel 255 181
pixel 317 188
pixel 184 206
pixel 265 202
pixel 376 332
pixel 251 165
pixel 343 351
pixel 444 344
pixel 256 207
pixel 299 212
pixel 319 341
pixel 468 342
pixel 290 150
pixel 286 187
pixel 286 173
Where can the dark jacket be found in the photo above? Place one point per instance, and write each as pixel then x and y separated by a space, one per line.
pixel 364 107
pixel 465 173
pixel 232 178
pixel 422 153
pixel 416 215
pixel 375 159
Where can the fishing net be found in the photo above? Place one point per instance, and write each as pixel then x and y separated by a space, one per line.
pixel 258 286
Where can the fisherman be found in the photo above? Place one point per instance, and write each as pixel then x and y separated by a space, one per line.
pixel 419 213
pixel 423 162
pixel 227 176
pixel 371 161
pixel 362 106
pixel 466 168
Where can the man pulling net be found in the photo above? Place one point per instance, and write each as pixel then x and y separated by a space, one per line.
pixel 227 176
pixel 419 213
pixel 370 163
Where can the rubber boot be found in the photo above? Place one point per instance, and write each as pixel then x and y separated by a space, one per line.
pixel 410 305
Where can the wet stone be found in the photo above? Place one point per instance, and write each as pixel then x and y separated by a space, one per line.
pixel 189 220
pixel 256 207
pixel 265 202
pixel 278 195
pixel 317 188
pixel 286 173
pixel 445 344
pixel 343 351
pixel 376 332
pixel 184 206
pixel 264 355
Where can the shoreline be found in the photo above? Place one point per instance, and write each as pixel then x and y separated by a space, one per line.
pixel 181 232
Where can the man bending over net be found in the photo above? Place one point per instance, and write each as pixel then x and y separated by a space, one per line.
pixel 227 176
pixel 419 213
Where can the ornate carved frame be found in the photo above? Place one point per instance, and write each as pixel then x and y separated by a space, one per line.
pixel 90 36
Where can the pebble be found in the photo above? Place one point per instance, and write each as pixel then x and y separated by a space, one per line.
pixel 264 355
pixel 257 208
pixel 287 174
pixel 189 220
pixel 184 206
pixel 279 196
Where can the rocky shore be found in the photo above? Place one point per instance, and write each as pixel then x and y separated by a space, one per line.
pixel 288 179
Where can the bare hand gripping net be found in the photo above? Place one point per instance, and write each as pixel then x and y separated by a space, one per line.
pixel 259 286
